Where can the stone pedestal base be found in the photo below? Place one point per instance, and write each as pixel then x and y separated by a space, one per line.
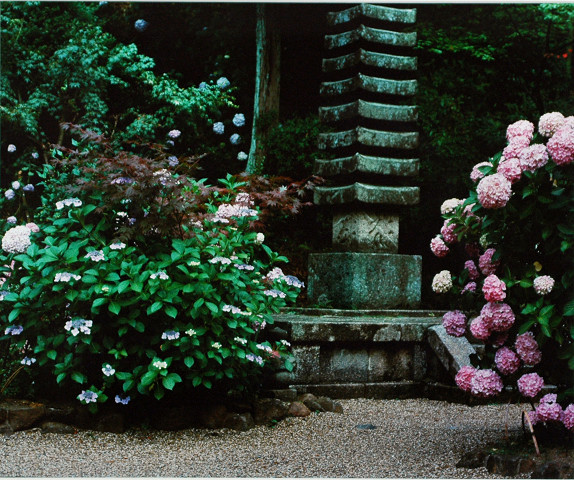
pixel 365 280
pixel 366 232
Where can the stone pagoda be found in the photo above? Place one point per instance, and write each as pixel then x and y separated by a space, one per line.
pixel 369 160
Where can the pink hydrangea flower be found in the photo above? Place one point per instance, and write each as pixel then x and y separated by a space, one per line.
pixel 568 418
pixel 449 206
pixel 476 174
pixel 533 157
pixel 530 384
pixel 486 383
pixel 515 147
pixel 527 348
pixel 506 361
pixel 549 123
pixel 533 416
pixel 494 289
pixel 543 285
pixel 470 266
pixel 479 328
pixel 33 227
pixel 447 231
pixel 438 247
pixel 464 377
pixel 511 169
pixel 561 146
pixel 568 122
pixel 469 287
pixel 454 323
pixel 494 191
pixel 549 411
pixel 499 317
pixel 521 128
pixel 486 264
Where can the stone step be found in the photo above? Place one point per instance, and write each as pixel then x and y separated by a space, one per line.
pixel 369 137
pixel 372 110
pixel 453 352
pixel 377 12
pixel 370 84
pixel 367 164
pixel 371 59
pixel 369 34
pixel 364 193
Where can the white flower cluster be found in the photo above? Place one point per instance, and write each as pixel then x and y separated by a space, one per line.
pixel 449 206
pixel 216 345
pixel 75 202
pixel 17 239
pixel 14 330
pixel 66 277
pixel 254 358
pixel 235 310
pixel 160 365
pixel 239 120
pixel 117 246
pixel 28 361
pixel 108 370
pixel 95 255
pixel 88 396
pixel 225 211
pixel 160 275
pixel 442 282
pixel 274 293
pixel 123 401
pixel 170 335
pixel 260 238
pixel 265 348
pixel 222 260
pixel 242 156
pixel 79 325
pixel 240 340
pixel 240 266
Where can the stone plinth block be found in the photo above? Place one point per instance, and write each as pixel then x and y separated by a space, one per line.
pixel 365 280
pixel 372 110
pixel 453 352
pixel 366 232
pixel 370 138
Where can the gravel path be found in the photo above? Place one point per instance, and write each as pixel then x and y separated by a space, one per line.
pixel 411 438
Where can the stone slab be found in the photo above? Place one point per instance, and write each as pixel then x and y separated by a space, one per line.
pixel 364 193
pixel 370 138
pixel 365 280
pixel 405 88
pixel 366 232
pixel 371 110
pixel 377 12
pixel 402 167
pixel 453 352
pixel 369 34
pixel 370 59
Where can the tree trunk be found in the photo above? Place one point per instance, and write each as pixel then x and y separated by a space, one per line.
pixel 267 83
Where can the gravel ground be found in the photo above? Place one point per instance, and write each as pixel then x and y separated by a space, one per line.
pixel 412 438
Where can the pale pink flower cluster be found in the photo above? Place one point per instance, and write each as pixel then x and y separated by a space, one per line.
pixel 486 383
pixel 464 377
pixel 530 384
pixel 454 323
pixel 506 361
pixel 515 147
pixel 548 410
pixel 568 418
pixel 527 348
pixel 438 247
pixel 469 287
pixel 442 282
pixel 543 285
pixel 561 145
pixel 498 317
pixel 494 191
pixel 476 174
pixel 511 169
pixel 549 123
pixel 486 264
pixel 479 328
pixel 447 231
pixel 225 211
pixel 533 157
pixel 521 128
pixel 33 227
pixel 449 206
pixel 470 266
pixel 494 289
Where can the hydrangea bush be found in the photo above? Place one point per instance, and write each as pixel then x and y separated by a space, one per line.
pixel 115 306
pixel 514 236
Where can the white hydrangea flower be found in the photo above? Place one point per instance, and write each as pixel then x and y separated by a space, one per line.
pixel 239 120
pixel 442 282
pixel 68 202
pixel 11 148
pixel 88 396
pixel 28 361
pixel 95 255
pixel 108 370
pixel 242 156
pixel 160 365
pixel 79 325
pixel 219 128
pixel 160 275
pixel 16 185
pixel 117 246
pixel 66 277
pixel 17 239
pixel 260 238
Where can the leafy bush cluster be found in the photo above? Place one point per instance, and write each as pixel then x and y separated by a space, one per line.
pixel 517 283
pixel 134 279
